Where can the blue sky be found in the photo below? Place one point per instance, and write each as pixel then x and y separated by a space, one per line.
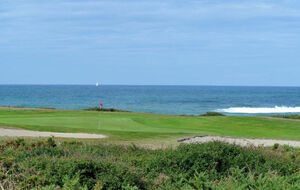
pixel 192 42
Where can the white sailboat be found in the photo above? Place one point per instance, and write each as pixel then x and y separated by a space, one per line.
pixel 97 84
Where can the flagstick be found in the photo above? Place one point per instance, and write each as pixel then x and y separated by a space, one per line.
pixel 100 106
pixel 99 118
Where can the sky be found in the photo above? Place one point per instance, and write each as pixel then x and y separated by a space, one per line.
pixel 150 42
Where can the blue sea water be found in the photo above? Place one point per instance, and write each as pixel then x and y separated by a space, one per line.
pixel 157 99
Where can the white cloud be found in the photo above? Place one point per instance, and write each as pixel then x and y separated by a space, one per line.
pixel 151 23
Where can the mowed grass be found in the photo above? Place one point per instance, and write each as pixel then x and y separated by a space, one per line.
pixel 148 128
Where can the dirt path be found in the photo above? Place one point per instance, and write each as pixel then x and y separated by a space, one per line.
pixel 6 132
pixel 241 141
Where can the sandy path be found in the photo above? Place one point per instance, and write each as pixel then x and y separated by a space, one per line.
pixel 5 132
pixel 241 141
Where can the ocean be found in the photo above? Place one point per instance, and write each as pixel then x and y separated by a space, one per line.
pixel 181 100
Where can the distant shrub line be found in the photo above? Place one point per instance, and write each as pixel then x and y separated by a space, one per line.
pixel 76 165
pixel 212 114
pixel 105 109
pixel 119 110
pixel 288 116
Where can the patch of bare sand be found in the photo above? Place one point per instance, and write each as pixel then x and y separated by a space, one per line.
pixel 8 132
pixel 241 141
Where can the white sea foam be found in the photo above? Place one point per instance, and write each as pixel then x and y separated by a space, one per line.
pixel 276 109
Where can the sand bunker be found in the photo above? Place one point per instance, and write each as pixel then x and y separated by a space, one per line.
pixel 4 132
pixel 241 141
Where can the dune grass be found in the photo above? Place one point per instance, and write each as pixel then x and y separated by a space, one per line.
pixel 148 128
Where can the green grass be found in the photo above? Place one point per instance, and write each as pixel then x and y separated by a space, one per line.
pixel 148 128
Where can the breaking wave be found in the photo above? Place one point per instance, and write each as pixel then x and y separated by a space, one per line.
pixel 276 109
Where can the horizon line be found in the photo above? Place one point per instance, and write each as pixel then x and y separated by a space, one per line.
pixel 213 85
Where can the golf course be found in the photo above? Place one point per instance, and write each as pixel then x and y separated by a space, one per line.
pixel 141 151
pixel 146 127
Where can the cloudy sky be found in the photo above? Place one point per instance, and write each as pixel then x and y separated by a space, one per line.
pixel 192 42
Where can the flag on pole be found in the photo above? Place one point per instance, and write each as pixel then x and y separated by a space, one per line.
pixel 101 105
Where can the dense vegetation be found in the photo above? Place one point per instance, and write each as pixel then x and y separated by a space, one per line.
pixel 105 109
pixel 288 116
pixel 212 114
pixel 51 164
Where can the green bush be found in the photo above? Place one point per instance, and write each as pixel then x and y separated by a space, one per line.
pixel 19 142
pixel 212 114
pixel 217 159
pixel 89 172
pixel 51 142
pixel 73 183
pixel 275 146
pixel 105 109
pixel 288 116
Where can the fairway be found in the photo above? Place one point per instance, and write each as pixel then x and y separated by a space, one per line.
pixel 145 127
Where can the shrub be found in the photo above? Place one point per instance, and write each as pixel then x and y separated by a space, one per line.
pixel 73 183
pixel 105 109
pixel 287 148
pixel 217 159
pixel 112 176
pixel 275 146
pixel 212 114
pixel 288 116
pixel 19 141
pixel 51 142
